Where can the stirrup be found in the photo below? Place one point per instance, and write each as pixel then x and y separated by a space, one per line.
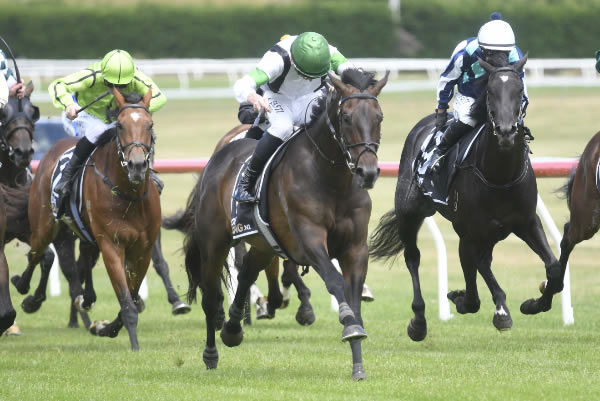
pixel 244 196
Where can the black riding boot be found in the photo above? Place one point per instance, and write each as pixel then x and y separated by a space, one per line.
pixel 453 133
pixel 82 151
pixel 265 148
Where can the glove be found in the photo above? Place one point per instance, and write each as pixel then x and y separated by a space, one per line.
pixel 440 120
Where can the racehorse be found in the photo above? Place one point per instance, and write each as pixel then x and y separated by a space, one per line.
pixel 122 207
pixel 7 312
pixel 319 208
pixel 16 138
pixel 493 194
pixel 583 200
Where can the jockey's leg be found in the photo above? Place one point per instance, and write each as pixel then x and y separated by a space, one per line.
pixel 452 134
pixel 82 151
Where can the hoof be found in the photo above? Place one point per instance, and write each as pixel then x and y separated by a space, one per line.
pixel 180 308
pixel 533 306
pixel 232 337
pixel 305 316
pixel 417 331
pixel 97 326
pixel 358 372
pixel 139 304
pixel 31 304
pixel 542 286
pixel 7 321
pixel 502 320
pixel 21 288
pixel 262 309
pixel 284 304
pixel 462 307
pixel 210 357
pixel 79 304
pixel 367 295
pixel 354 332
pixel 73 325
pixel 13 330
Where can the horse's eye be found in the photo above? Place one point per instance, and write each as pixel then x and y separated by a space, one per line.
pixel 347 117
pixel 119 126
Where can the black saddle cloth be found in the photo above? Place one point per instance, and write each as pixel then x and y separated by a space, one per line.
pixel 436 185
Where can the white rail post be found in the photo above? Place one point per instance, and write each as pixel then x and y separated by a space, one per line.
pixel 567 309
pixel 442 258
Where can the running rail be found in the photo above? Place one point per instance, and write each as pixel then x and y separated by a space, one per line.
pixel 543 167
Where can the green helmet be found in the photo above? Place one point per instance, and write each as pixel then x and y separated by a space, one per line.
pixel 310 54
pixel 117 67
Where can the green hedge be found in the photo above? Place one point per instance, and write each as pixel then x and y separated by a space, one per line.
pixel 357 29
pixel 544 28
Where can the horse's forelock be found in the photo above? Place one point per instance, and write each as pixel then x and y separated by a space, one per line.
pixel 360 79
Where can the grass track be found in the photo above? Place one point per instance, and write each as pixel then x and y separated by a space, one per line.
pixel 464 358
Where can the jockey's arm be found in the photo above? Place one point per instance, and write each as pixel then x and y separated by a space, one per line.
pixel 339 63
pixel 448 80
pixel 141 83
pixel 3 91
pixel 61 90
pixel 7 71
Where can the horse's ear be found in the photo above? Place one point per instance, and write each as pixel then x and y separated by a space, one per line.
pixel 376 89
pixel 29 88
pixel 118 98
pixel 340 87
pixel 486 66
pixel 147 98
pixel 521 63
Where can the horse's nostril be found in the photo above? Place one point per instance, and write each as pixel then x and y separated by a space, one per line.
pixel 378 171
pixel 360 171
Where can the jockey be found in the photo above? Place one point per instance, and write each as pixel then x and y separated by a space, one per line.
pixel 291 77
pixel 3 91
pixel 495 43
pixel 15 88
pixel 86 87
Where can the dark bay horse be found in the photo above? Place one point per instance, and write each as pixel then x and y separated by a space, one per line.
pixel 7 312
pixel 122 207
pixel 495 195
pixel 583 200
pixel 319 208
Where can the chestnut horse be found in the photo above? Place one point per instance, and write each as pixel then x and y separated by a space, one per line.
pixel 122 207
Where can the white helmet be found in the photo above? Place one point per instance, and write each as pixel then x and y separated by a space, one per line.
pixel 496 35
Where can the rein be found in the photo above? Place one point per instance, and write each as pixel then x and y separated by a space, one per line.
pixel 340 140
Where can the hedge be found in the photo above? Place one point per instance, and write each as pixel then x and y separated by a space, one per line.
pixel 358 29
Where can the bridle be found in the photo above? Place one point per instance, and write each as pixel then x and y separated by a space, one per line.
pixel 522 108
pixel 28 125
pixel 121 149
pixel 340 140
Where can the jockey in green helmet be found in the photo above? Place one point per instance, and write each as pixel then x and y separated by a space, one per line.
pixel 85 88
pixel 290 76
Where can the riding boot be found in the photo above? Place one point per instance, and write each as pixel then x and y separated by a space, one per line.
pixel 82 151
pixel 452 134
pixel 264 149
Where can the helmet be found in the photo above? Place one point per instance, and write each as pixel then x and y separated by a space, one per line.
pixel 496 35
pixel 310 54
pixel 117 67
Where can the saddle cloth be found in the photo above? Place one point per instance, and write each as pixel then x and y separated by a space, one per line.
pixel 436 185
pixel 72 216
pixel 251 218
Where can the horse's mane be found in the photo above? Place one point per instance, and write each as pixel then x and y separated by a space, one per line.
pixel 109 134
pixel 479 108
pixel 358 78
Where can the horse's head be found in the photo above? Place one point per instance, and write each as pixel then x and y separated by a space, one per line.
pixel 358 123
pixel 135 137
pixel 504 100
pixel 16 133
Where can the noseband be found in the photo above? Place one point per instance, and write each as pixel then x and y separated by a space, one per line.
pixel 341 141
pixel 27 125
pixel 121 149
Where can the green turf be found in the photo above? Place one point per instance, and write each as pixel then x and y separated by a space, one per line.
pixel 462 359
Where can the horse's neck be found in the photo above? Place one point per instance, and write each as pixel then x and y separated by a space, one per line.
pixel 10 174
pixel 501 166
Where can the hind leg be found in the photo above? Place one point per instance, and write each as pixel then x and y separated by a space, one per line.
pixel 275 298
pixel 88 257
pixel 7 311
pixel 254 262
pixel 178 307
pixel 467 301
pixel 32 303
pixel 305 315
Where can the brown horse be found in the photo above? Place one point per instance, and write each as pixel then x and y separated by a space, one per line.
pixel 122 207
pixel 319 208
pixel 583 199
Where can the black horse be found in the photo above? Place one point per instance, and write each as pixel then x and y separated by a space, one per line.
pixel 493 194
pixel 7 312
pixel 319 208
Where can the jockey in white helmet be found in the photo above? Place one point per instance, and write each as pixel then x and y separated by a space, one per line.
pixel 495 43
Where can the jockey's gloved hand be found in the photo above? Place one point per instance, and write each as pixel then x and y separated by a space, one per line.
pixel 441 115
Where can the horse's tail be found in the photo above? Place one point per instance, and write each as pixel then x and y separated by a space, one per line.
pixel 193 266
pixel 386 240
pixel 566 190
pixel 179 221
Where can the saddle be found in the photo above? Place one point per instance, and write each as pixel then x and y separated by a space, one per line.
pixel 72 217
pixel 252 218
pixel 436 185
